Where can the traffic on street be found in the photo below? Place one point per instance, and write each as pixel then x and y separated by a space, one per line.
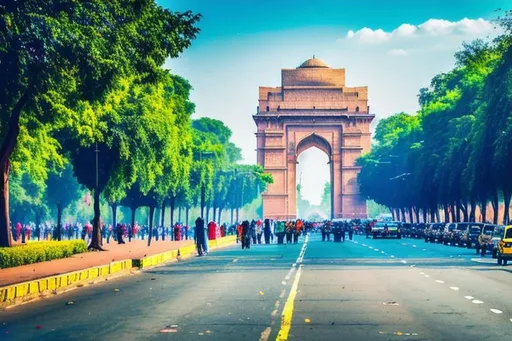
pixel 361 288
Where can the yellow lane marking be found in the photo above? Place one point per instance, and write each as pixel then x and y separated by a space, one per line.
pixel 286 320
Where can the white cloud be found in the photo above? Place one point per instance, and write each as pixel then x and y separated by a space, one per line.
pixel 405 30
pixel 431 27
pixel 369 36
pixel 397 52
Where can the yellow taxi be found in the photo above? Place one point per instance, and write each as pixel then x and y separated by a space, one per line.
pixel 505 246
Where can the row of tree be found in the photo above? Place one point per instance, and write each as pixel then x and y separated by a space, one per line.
pixel 455 154
pixel 83 92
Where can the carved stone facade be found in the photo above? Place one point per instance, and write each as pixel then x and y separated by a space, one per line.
pixel 312 108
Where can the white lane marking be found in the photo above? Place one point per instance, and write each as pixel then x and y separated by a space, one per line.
pixel 477 302
pixel 371 247
pixel 455 288
pixel 404 261
pixel 376 250
pixel 356 242
pixel 427 276
pixel 392 256
pixel 496 311
pixel 414 246
pixel 283 283
pixel 422 273
pixel 439 281
pixel 382 252
pixel 510 320
pixel 265 334
pixel 468 297
pixel 282 293
pixel 412 266
pixel 364 244
pixel 424 249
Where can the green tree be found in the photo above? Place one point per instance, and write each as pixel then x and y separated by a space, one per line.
pixel 55 54
pixel 62 189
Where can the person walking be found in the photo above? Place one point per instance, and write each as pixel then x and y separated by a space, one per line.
pixel 120 233
pixel 199 235
pixel 266 231
pixel 246 238
pixel 259 231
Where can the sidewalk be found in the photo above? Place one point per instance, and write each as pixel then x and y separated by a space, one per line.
pixel 131 250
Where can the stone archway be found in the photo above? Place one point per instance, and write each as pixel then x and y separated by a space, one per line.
pixel 313 107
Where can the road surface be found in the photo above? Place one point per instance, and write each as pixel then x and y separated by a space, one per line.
pixel 358 290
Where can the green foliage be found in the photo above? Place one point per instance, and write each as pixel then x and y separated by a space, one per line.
pixel 39 252
pixel 455 151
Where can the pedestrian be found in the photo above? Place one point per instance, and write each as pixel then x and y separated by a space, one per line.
pixel 289 232
pixel 199 235
pixel 259 231
pixel 266 231
pixel 252 231
pixel 246 238
pixel 120 233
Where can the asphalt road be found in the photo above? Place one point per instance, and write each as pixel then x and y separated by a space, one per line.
pixel 358 290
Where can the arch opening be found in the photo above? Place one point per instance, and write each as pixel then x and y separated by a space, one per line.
pixel 313 183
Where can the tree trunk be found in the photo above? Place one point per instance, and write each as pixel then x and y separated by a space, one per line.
pixel 506 215
pixel 392 213
pixel 96 240
pixel 202 201
pixel 162 221
pixel 432 216
pixel 151 215
pixel 472 207
pixel 424 213
pixel 38 223
pixel 232 215
pixel 483 211
pixel 114 215
pixel 59 222
pixel 180 209
pixel 453 213
pixel 403 215
pixel 417 213
pixel 220 215
pixel 214 213
pixel 237 211
pixel 172 206
pixel 187 210
pixel 207 220
pixel 134 211
pixel 438 216
pixel 411 215
pixel 496 207
pixel 11 138
pixel 464 209
pixel 446 213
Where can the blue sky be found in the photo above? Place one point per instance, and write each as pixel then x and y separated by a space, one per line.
pixel 393 47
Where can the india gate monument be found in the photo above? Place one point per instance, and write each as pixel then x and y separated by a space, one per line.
pixel 312 108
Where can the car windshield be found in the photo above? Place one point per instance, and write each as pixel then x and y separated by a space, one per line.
pixel 488 229
pixel 462 227
pixel 498 232
pixel 508 234
pixel 474 230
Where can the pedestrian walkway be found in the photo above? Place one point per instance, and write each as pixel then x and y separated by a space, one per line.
pixel 135 249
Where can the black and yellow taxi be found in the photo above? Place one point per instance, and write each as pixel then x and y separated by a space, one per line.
pixel 504 253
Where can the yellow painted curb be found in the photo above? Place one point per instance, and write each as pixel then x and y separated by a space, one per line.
pixel 26 291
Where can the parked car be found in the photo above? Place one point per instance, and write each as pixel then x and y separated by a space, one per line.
pixel 434 232
pixel 406 229
pixel 504 253
pixel 470 237
pixel 447 233
pixel 457 233
pixel 386 229
pixel 497 234
pixel 485 237
pixel 418 231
